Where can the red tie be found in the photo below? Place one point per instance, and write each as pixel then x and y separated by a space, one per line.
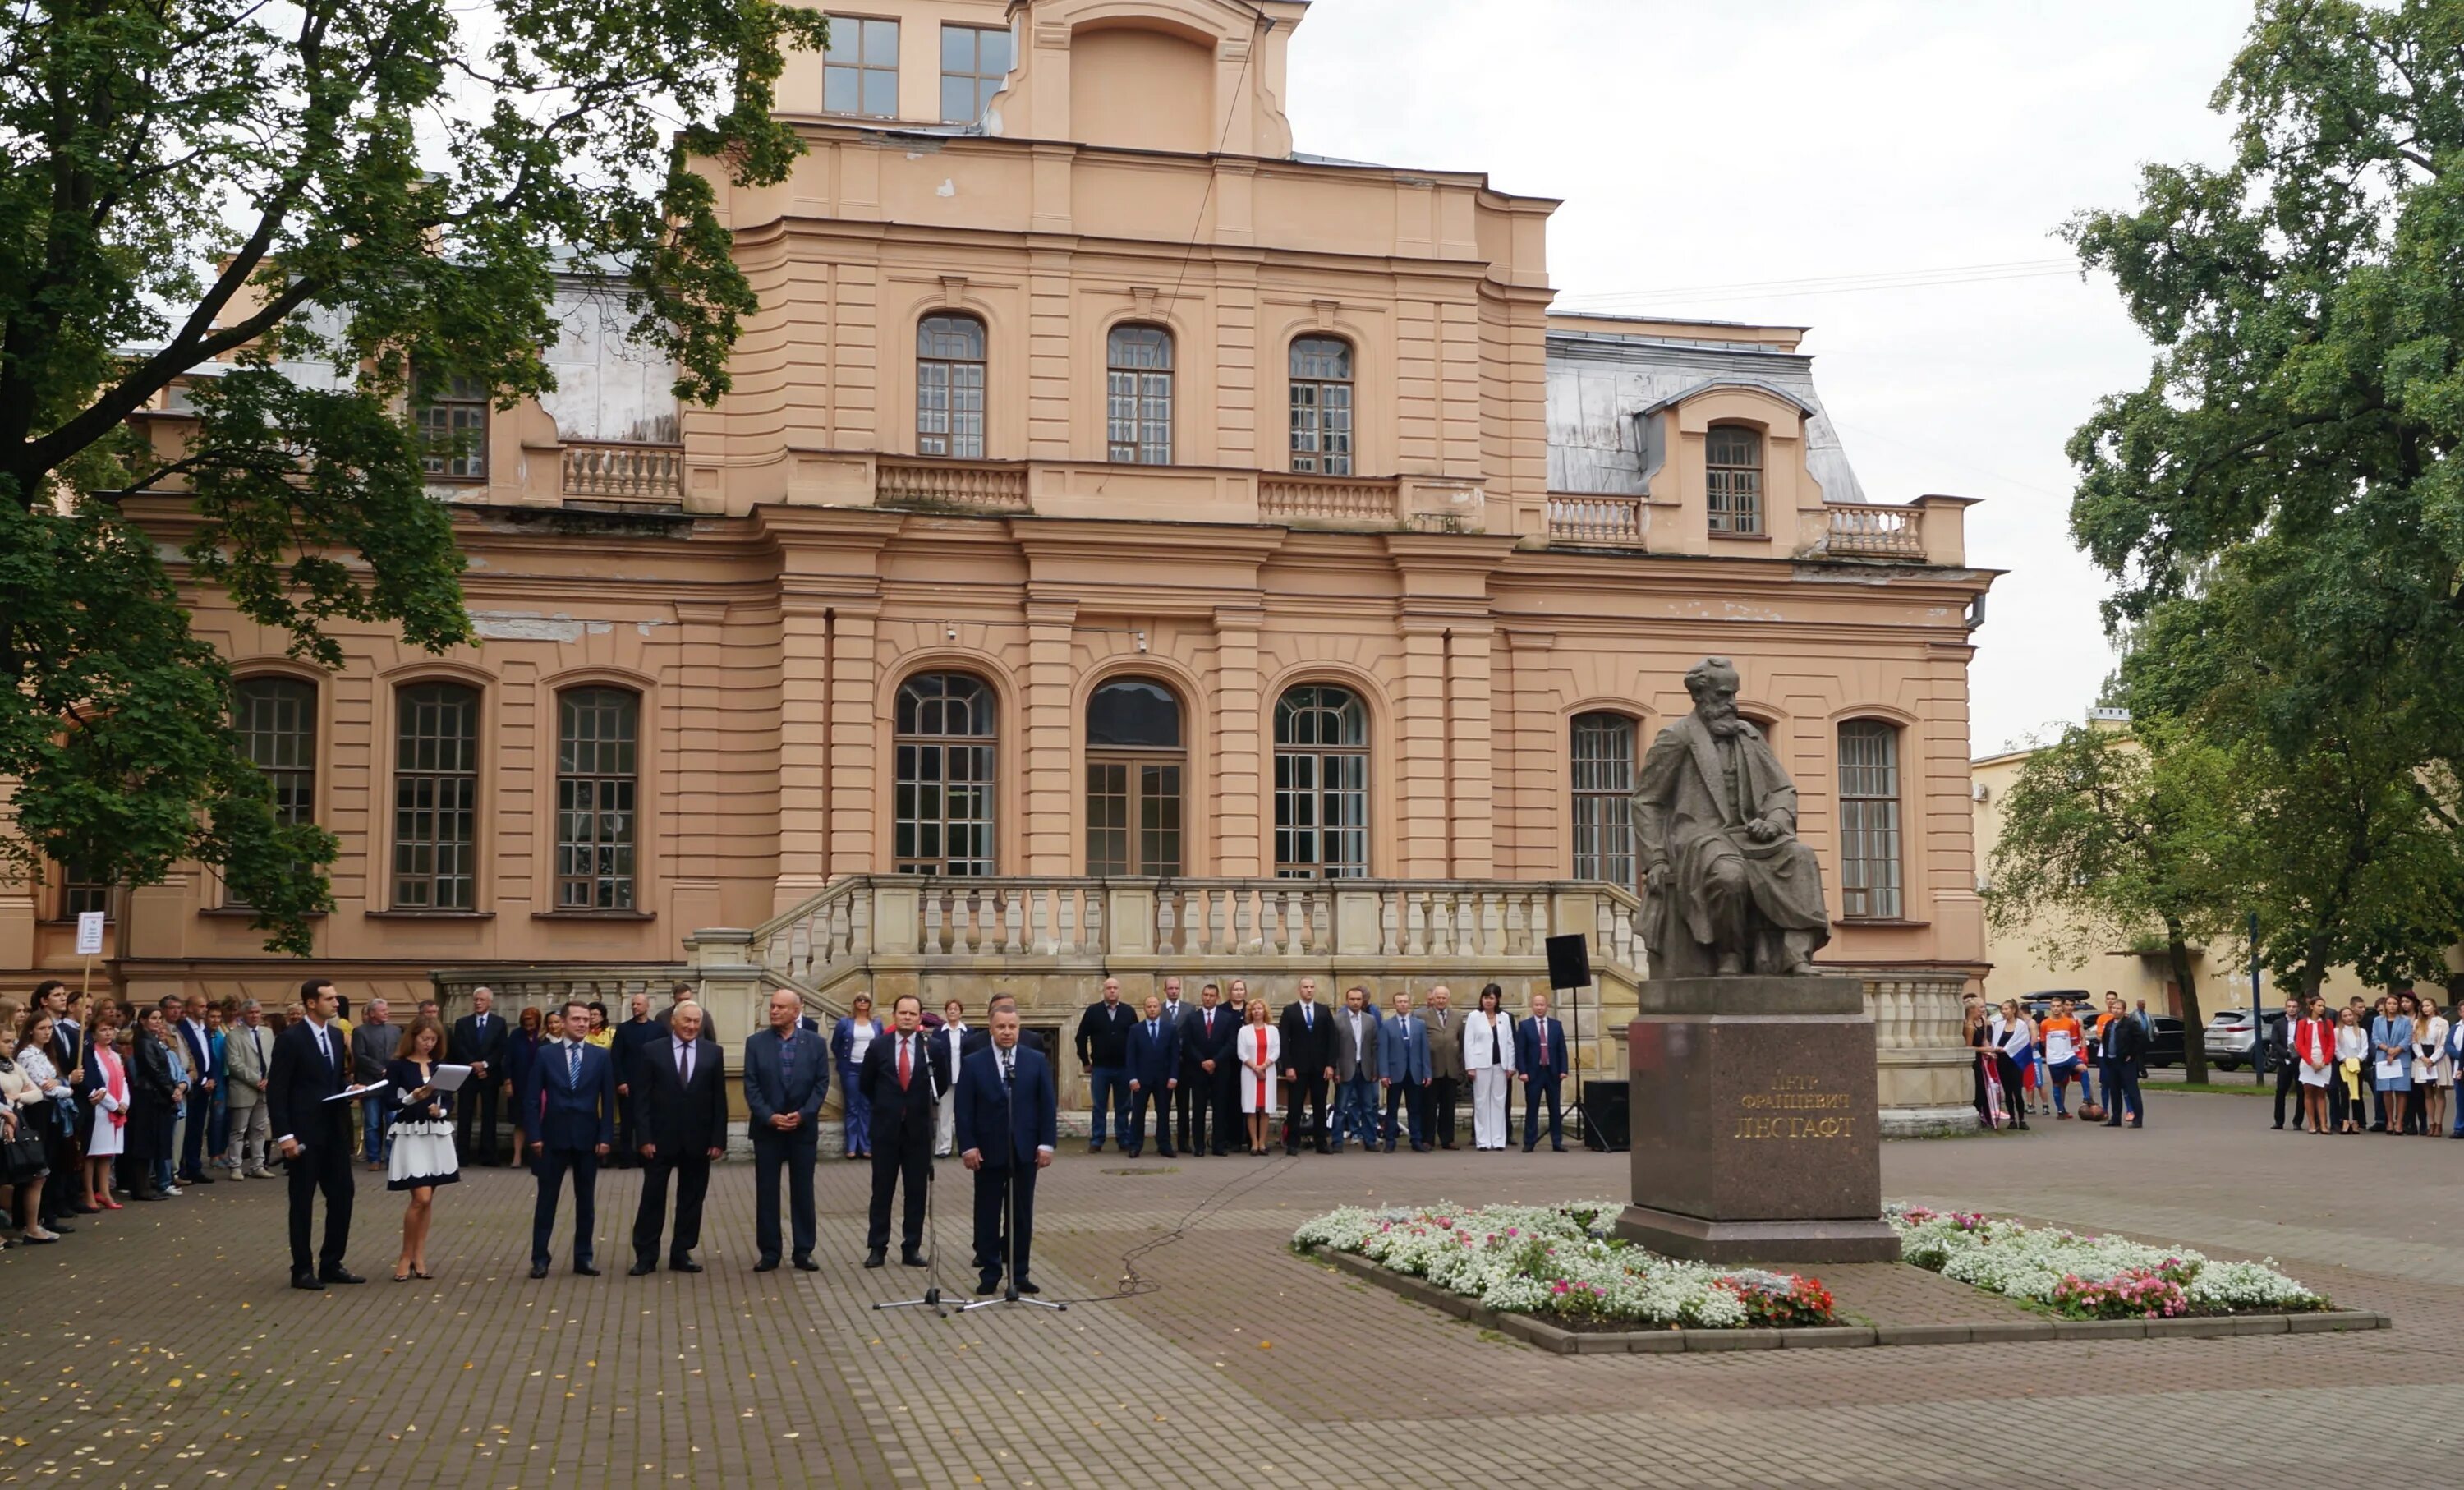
pixel 902 1063
pixel 1544 1045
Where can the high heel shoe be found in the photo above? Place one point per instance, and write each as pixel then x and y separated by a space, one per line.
pixel 423 1275
pixel 113 1205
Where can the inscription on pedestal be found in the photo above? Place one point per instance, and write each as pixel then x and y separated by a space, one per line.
pixel 1812 1112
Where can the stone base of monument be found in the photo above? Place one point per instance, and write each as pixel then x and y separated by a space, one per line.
pixel 1755 1136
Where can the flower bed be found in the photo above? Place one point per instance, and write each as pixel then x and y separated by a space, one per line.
pixel 2090 1277
pixel 1555 1262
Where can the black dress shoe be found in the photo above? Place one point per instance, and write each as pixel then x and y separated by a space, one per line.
pixel 808 1265
pixel 1095 1145
pixel 338 1275
pixel 1448 1148
pixel 642 1270
pixel 683 1265
pixel 538 1270
pixel 987 1284
pixel 766 1266
pixel 307 1281
pixel 1166 1153
pixel 1561 1147
pixel 877 1257
pixel 584 1270
pixel 197 1179
pixel 1026 1286
pixel 910 1259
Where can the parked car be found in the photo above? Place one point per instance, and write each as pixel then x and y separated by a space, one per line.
pixel 2041 1005
pixel 2229 1036
pixel 2164 1041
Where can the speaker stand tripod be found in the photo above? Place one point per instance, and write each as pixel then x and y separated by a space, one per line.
pixel 931 1298
pixel 1009 1293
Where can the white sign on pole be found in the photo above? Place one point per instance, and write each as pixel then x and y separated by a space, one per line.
pixel 89 933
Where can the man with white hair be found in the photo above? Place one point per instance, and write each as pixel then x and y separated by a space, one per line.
pixel 247 1056
pixel 679 1125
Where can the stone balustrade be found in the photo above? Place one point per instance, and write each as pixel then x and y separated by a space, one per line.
pixel 622 472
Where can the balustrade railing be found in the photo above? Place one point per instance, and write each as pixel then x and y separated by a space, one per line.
pixel 611 471
pixel 999 486
pixel 1327 499
pixel 1595 518
pixel 1883 531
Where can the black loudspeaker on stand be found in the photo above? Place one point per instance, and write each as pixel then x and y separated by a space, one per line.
pixel 1569 972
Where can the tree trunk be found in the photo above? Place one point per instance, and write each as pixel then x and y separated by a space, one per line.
pixel 2194 1043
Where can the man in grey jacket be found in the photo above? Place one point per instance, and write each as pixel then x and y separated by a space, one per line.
pixel 372 1046
pixel 248 1053
pixel 1355 1070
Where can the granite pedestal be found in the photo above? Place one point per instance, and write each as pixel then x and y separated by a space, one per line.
pixel 1755 1136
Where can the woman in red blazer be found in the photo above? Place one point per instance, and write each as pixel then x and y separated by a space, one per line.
pixel 2314 1045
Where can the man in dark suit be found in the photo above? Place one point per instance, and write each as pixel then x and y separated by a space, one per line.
pixel 624 1042
pixel 480 1040
pixel 903 1076
pixel 313 1134
pixel 2121 1049
pixel 569 1122
pixel 188 1020
pixel 1307 1065
pixel 787 1075
pixel 1206 1035
pixel 1445 1062
pixel 679 1123
pixel 1006 1112
pixel 1153 1064
pixel 1540 1065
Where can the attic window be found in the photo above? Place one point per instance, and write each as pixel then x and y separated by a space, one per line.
pixel 860 72
pixel 1733 479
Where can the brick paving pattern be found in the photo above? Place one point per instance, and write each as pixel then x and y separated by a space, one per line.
pixel 160 1347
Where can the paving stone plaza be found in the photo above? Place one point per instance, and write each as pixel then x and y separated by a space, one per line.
pixel 160 1348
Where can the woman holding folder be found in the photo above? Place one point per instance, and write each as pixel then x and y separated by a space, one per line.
pixel 421 1139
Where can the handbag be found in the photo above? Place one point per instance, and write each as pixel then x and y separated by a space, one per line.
pixel 21 1156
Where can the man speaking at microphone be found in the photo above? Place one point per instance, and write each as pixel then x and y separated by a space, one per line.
pixel 903 1078
pixel 1006 1107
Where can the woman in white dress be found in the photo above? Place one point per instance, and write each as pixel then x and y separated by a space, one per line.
pixel 420 1140
pixel 1259 1047
pixel 106 1092
pixel 1488 1057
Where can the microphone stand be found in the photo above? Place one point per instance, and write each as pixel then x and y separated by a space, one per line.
pixel 1009 1293
pixel 931 1298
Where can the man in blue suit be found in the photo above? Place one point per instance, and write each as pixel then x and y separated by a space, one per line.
pixel 1155 1075
pixel 1540 1065
pixel 1403 1070
pixel 787 1075
pixel 1006 1106
pixel 570 1123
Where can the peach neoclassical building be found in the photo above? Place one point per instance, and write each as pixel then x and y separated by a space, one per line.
pixel 1132 545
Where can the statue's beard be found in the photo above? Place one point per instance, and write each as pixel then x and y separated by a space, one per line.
pixel 1722 722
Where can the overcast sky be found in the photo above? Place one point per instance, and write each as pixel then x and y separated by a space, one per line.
pixel 1753 142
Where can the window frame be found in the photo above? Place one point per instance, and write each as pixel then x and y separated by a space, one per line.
pixel 1735 494
pixel 1612 805
pixel 1144 769
pixel 982 747
pixel 983 86
pixel 1318 461
pixel 396 876
pixel 949 381
pixel 1140 393
pixel 1351 762
pixel 297 804
pixel 1857 900
pixel 621 852
pixel 860 66
pixel 434 415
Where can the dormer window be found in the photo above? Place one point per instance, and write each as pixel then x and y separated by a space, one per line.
pixel 975 59
pixel 860 74
pixel 1732 458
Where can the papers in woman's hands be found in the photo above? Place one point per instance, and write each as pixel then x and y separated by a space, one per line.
pixel 362 1090
pixel 449 1077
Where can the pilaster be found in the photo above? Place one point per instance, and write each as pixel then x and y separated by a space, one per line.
pixel 1048 774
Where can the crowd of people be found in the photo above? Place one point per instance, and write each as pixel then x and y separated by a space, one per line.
pixel 2384 1068
pixel 2024 1064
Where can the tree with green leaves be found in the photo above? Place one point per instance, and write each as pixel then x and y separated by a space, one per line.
pixel 363 189
pixel 2117 837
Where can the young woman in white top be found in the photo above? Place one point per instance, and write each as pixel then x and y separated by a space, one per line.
pixel 2434 1070
pixel 1258 1047
pixel 1489 1059
pixel 953 1029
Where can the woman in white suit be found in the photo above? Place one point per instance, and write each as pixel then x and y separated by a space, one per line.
pixel 1488 1060
pixel 953 1029
pixel 1258 1047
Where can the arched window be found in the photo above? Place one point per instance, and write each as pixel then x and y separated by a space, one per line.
pixel 1321 784
pixel 950 388
pixel 435 797
pixel 947 754
pixel 597 790
pixel 1137 405
pixel 1869 820
pixel 1603 772
pixel 1133 769
pixel 1732 458
pixel 276 720
pixel 1322 405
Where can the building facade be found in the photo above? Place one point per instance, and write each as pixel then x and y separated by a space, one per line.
pixel 1129 545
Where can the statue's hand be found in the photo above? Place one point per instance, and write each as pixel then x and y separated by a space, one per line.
pixel 1762 830
pixel 1656 879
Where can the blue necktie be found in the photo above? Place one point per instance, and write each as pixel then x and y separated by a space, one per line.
pixel 573 1065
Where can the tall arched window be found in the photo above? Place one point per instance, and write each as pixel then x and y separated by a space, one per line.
pixel 1732 477
pixel 276 720
pixel 1322 405
pixel 1137 404
pixel 1869 819
pixel 597 792
pixel 1603 772
pixel 946 756
pixel 950 388
pixel 1321 784
pixel 435 797
pixel 1133 768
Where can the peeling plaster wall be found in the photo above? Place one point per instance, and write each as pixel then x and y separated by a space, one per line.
pixel 1598 384
pixel 607 387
